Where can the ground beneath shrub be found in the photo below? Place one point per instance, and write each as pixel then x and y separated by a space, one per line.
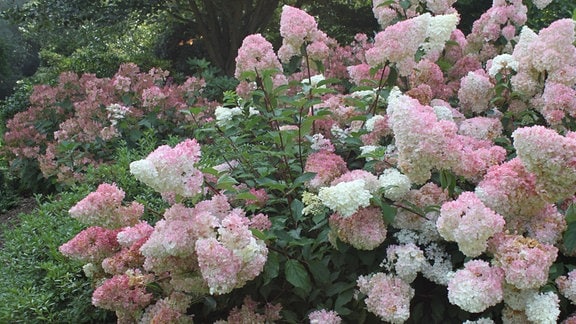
pixel 10 217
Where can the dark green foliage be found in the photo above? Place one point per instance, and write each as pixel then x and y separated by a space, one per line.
pixel 40 285
pixel 557 9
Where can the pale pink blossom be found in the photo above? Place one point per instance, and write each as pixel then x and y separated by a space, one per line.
pixel 551 157
pixel 398 44
pixel 468 222
pixel 476 91
pixel 525 261
pixel 476 287
pixel 324 317
pixel 103 207
pixel 171 170
pixel 125 294
pixel 567 285
pixel 327 166
pixel 364 230
pixel 387 296
pixel 93 245
pixel 256 55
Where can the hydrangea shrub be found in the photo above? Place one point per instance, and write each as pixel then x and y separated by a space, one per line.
pixel 436 184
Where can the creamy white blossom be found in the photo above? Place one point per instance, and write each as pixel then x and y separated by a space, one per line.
pixel 503 61
pixel 543 308
pixel 224 115
pixel 346 197
pixel 394 183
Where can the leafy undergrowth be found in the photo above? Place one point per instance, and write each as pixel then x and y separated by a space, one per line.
pixel 40 285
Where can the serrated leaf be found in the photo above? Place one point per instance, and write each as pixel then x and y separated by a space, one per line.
pixel 297 275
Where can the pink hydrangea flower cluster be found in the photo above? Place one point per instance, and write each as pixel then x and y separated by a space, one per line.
pixel 510 190
pixel 482 128
pixel 476 287
pixel 251 312
pixel 425 143
pixel 212 239
pixel 567 286
pixel 557 102
pixel 103 207
pixel 324 317
pixel 93 245
pixel 476 91
pixel 525 261
pixel 256 55
pixel 398 44
pixel 551 157
pixel 171 309
pixel 551 51
pixel 387 296
pixel 171 170
pixel 298 28
pixel 327 166
pixel 365 229
pixel 500 20
pixel 125 294
pixel 232 259
pixel 468 222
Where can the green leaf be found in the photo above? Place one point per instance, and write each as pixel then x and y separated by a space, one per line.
pixel 226 182
pixel 297 275
pixel 304 177
pixel 296 207
pixel 271 268
pixel 570 238
pixel 571 213
pixel 320 272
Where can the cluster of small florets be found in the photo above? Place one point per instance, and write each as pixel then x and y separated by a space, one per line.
pixel 346 197
pixel 550 157
pixel 256 55
pixel 171 170
pixel 387 296
pixel 405 260
pixel 298 28
pixel 103 207
pixel 324 317
pixel 476 287
pixel 365 229
pixel 525 261
pixel 469 223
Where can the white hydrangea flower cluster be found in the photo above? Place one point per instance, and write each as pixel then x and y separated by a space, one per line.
pixel 543 308
pixel 224 115
pixel 439 30
pixel 116 112
pixel 406 260
pixel 438 269
pixel 503 61
pixel 394 183
pixel 346 197
pixel 443 113
pixel 372 121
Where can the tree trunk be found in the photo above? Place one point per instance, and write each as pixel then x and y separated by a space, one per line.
pixel 223 25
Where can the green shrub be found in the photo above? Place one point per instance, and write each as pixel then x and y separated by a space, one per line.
pixel 39 285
